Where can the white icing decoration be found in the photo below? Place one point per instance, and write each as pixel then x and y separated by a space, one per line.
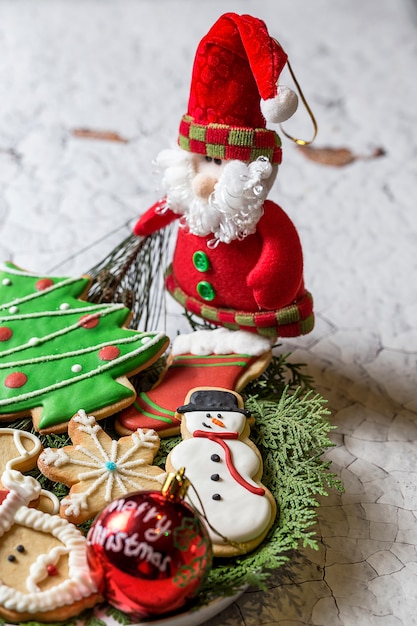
pixel 93 313
pixel 78 584
pixel 56 457
pixel 13 310
pixel 53 500
pixel 38 570
pixel 7 508
pixel 221 341
pixel 95 310
pixel 240 515
pixel 77 368
pixel 33 341
pixel 87 423
pixel 6 282
pixel 36 294
pixel 18 437
pixel 75 503
pixel 64 306
pixel 39 294
pixel 104 366
pixel 26 487
pixel 102 467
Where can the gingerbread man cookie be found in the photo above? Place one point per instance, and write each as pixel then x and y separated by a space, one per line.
pixel 59 352
pixel 44 570
pixel 98 468
pixel 225 468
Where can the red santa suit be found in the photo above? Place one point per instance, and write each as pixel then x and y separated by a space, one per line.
pixel 256 283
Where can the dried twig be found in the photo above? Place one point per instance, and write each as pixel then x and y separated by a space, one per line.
pixel 101 135
pixel 337 157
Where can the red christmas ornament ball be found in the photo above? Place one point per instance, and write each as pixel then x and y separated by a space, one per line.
pixel 149 553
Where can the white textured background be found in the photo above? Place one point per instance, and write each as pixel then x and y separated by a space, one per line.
pixel 125 66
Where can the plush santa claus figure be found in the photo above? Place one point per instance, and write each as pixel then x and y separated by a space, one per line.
pixel 238 261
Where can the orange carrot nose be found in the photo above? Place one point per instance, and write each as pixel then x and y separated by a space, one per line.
pixel 218 422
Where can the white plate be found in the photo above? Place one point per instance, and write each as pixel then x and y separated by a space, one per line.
pixel 189 618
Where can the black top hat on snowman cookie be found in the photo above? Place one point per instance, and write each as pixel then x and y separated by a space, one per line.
pixel 213 400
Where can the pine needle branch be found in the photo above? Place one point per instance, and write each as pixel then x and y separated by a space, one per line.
pixel 133 274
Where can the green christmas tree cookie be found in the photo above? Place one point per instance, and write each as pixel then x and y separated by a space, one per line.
pixel 59 353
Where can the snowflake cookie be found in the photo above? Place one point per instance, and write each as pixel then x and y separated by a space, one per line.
pixel 99 469
pixel 59 352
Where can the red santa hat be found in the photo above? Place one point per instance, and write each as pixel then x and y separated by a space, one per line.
pixel 234 93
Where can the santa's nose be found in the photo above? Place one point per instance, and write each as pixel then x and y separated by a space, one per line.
pixel 203 185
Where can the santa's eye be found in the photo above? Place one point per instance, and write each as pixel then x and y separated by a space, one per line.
pixel 208 159
pixel 218 161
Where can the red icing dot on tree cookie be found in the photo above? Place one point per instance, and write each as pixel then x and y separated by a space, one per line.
pixel 108 353
pixel 5 333
pixel 43 283
pixel 89 321
pixel 15 380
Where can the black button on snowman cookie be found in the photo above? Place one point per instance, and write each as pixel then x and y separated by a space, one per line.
pixel 225 468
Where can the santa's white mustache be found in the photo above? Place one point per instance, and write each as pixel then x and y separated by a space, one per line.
pixel 233 208
pixel 242 181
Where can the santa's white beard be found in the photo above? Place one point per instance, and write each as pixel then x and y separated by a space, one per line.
pixel 232 210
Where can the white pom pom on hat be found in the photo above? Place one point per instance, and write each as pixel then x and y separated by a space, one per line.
pixel 281 107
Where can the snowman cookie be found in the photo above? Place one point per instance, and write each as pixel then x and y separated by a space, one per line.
pixel 44 574
pixel 225 469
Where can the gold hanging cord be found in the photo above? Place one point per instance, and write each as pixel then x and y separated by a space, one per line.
pixel 300 142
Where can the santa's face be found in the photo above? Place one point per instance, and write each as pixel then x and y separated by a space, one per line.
pixel 215 422
pixel 35 562
pixel 224 198
pixel 207 174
